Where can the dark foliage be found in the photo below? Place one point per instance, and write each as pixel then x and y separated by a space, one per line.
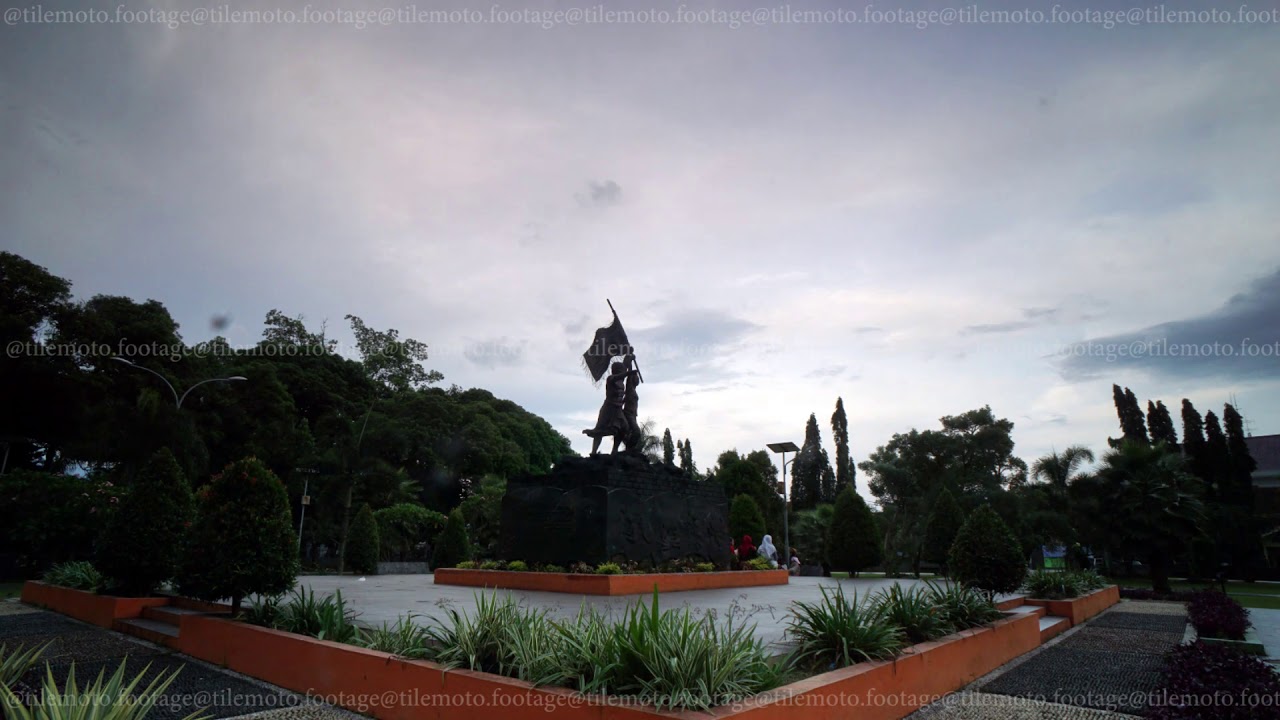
pixel 143 542
pixel 48 518
pixel 986 554
pixel 745 519
pixel 944 524
pixel 363 546
pixel 453 546
pixel 242 542
pixel 1215 614
pixel 854 540
pixel 1211 682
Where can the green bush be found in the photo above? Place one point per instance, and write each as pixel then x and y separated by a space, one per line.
pixel 468 565
pixel 403 528
pixel 242 542
pixel 363 542
pixel 944 524
pixel 669 658
pixel 551 568
pixel 491 565
pixel 809 530
pixel 758 563
pixel 517 566
pixel 48 518
pixel 77 575
pixel 608 569
pixel 745 519
pixel 986 555
pixel 324 619
pixel 453 546
pixel 144 540
pixel 854 541
pixel 916 611
pixel 1051 585
pixel 405 638
pixel 704 567
pixel 841 633
pixel 963 606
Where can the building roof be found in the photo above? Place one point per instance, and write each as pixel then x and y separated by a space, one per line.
pixel 1265 450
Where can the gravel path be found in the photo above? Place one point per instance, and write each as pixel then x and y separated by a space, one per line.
pixel 1105 669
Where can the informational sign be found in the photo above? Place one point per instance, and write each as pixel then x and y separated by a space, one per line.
pixel 1055 558
pixel 306 499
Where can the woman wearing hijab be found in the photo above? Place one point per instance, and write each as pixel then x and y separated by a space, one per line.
pixel 746 549
pixel 768 551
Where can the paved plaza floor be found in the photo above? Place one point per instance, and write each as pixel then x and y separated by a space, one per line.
pixel 384 598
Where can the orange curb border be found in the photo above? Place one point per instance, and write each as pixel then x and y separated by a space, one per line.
pixel 1077 610
pixel 583 584
pixel 100 610
pixel 392 688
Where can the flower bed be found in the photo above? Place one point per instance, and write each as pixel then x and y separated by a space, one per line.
pixel 1077 610
pixel 392 688
pixel 585 584
pixel 100 610
pixel 1203 682
pixel 1216 615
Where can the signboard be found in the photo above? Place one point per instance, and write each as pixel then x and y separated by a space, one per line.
pixel 1055 558
pixel 306 499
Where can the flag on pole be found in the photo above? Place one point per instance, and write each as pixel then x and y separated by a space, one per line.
pixel 609 342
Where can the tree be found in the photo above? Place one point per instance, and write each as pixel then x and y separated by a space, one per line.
pixel 846 473
pixel 986 555
pixel 242 541
pixel 1193 442
pixel 1132 425
pixel 740 476
pixel 686 458
pixel 453 546
pixel 809 530
pixel 1245 539
pixel 1160 424
pixel 482 511
pixel 1150 504
pixel 807 472
pixel 944 524
pixel 853 543
pixel 405 526
pixel 143 542
pixel 1217 458
pixel 668 449
pixel 391 362
pixel 745 519
pixel 363 545
pixel 1058 469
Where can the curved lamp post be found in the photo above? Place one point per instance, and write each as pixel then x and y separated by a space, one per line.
pixel 177 399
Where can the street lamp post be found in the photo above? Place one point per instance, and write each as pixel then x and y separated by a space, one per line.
pixel 177 399
pixel 784 448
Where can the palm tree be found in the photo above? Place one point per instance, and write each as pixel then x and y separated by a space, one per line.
pixel 650 444
pixel 1059 469
pixel 1151 505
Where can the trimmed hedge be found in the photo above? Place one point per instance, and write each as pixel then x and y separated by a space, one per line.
pixel 362 542
pixel 143 542
pixel 986 554
pixel 242 542
pixel 453 546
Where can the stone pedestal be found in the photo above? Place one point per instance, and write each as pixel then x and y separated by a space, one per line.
pixel 613 509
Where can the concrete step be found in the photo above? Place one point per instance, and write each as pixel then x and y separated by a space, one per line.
pixel 155 631
pixel 1010 603
pixel 1029 610
pixel 178 601
pixel 168 614
pixel 1052 625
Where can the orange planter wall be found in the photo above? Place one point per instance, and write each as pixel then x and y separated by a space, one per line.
pixel 608 584
pixel 1077 610
pixel 101 610
pixel 389 688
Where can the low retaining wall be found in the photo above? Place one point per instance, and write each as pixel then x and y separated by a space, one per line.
pixel 391 688
pixel 100 610
pixel 582 584
pixel 1077 610
pixel 403 568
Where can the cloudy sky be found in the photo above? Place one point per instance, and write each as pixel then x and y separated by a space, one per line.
pixel 922 221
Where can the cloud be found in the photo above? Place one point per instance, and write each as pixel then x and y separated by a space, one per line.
pixel 496 352
pixel 826 372
pixel 1239 340
pixel 1032 317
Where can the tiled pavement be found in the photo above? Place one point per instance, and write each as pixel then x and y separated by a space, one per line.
pixel 1104 669
pixel 198 686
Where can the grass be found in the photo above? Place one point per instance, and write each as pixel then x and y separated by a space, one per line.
pixel 1251 595
pixel 10 590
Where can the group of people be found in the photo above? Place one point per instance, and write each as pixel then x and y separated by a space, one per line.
pixel 746 550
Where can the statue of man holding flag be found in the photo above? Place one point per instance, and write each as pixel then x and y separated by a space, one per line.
pixel 618 413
